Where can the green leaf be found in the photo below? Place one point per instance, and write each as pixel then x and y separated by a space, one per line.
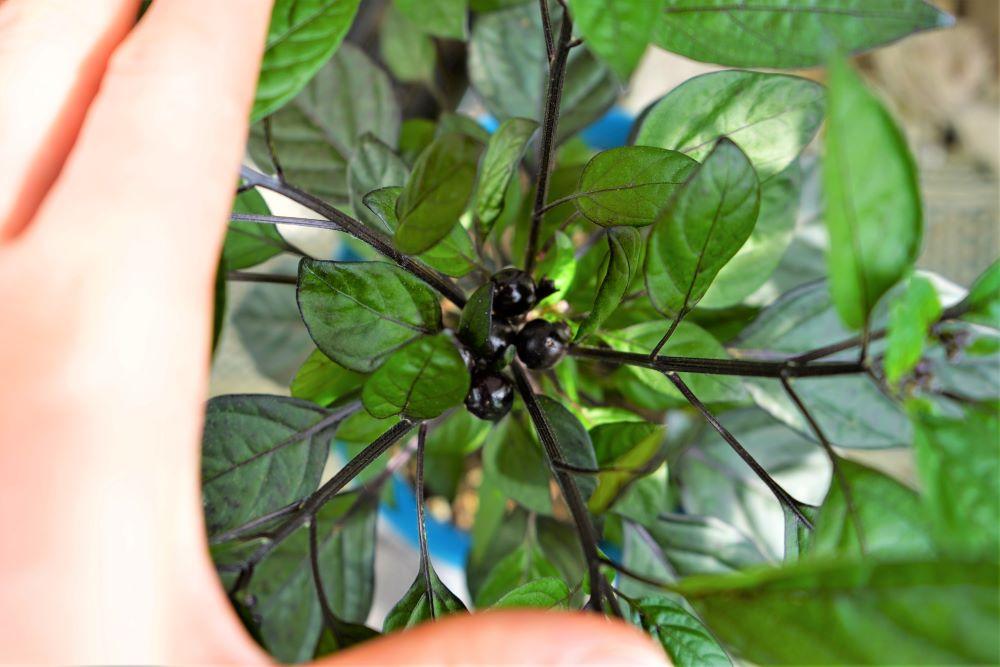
pixel 503 155
pixel 419 381
pixel 270 328
pixel 617 31
pixel 680 633
pixel 890 518
pixel 323 381
pixel 910 321
pixel 247 243
pixel 514 460
pixel 508 67
pixel 316 133
pixel 454 256
pixel 573 442
pixel 706 222
pixel 624 254
pixel 871 194
pixel 260 453
pixel 219 298
pixel 760 256
pixel 631 184
pixel 443 18
pixel 629 447
pixel 436 193
pixel 302 36
pixel 373 166
pixel 771 117
pixel 544 593
pixel 460 123
pixel 832 612
pixel 285 595
pixel 787 33
pixel 797 536
pixel 415 134
pixel 559 266
pixel 984 298
pixel 422 603
pixel 359 313
pixel 959 466
pixel 407 52
pixel 476 322
pixel 525 564
pixel 448 444
pixel 702 545
pixel 344 635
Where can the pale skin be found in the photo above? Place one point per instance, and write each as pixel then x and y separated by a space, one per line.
pixel 119 150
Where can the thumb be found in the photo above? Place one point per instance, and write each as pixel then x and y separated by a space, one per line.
pixel 510 637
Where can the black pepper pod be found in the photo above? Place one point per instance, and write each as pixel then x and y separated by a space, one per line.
pixel 490 396
pixel 542 344
pixel 513 293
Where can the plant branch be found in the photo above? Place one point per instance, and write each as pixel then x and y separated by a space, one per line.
pixel 329 618
pixel 550 124
pixel 425 569
pixel 670 332
pixel 547 30
pixel 341 222
pixel 783 496
pixel 254 277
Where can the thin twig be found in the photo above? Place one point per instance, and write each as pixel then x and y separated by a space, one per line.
pixel 272 153
pixel 329 618
pixel 547 29
pixel 670 332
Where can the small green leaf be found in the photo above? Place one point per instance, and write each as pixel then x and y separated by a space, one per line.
pixel 573 442
pixel 910 320
pixel 514 460
pixel 706 222
pixel 373 166
pixel 624 254
pixel 503 154
pixel 890 517
pixel 302 36
pixel 870 612
pixel 477 318
pixel 630 185
pixel 523 565
pixel 316 133
pixel 544 593
pixel 454 256
pixel 680 633
pixel 248 243
pixel 436 193
pixel 420 604
pixel 419 381
pixel 632 448
pixel 959 466
pixel 260 453
pixel 359 313
pixel 407 52
pixel 771 117
pixel 984 298
pixel 617 31
pixel 871 195
pixel 323 381
pixel 442 18
pixel 788 33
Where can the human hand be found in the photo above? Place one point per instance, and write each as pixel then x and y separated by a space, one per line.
pixel 119 149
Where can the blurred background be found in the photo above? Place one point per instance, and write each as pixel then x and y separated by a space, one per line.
pixel 942 87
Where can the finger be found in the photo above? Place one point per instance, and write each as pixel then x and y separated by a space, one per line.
pixel 510 638
pixel 156 160
pixel 52 55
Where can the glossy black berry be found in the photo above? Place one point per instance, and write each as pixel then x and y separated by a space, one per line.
pixel 490 397
pixel 541 344
pixel 513 293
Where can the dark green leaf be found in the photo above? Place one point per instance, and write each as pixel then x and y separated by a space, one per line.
pixel 270 327
pixel 787 33
pixel 617 31
pixel 420 604
pixel 706 222
pixel 407 52
pixel 302 36
pixel 959 465
pixel 415 134
pixel 373 166
pixel 984 298
pixel 910 320
pixel 219 299
pixel 460 123
pixel 624 254
pixel 503 155
pixel 443 18
pixel 282 585
pixel 702 545
pixel 855 613
pixel 322 381
pixel 344 635
pixel 477 318
pixel 632 448
pixel 871 194
pixel 448 445
pixel 436 193
pixel 573 442
pixel 682 636
pixel 771 117
pixel 316 134
pixel 641 554
pixel 889 516
pixel 260 453
pixel 514 460
pixel 630 185
pixel 247 243
pixel 419 381
pixel 359 313
pixel 524 565
pixel 544 593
